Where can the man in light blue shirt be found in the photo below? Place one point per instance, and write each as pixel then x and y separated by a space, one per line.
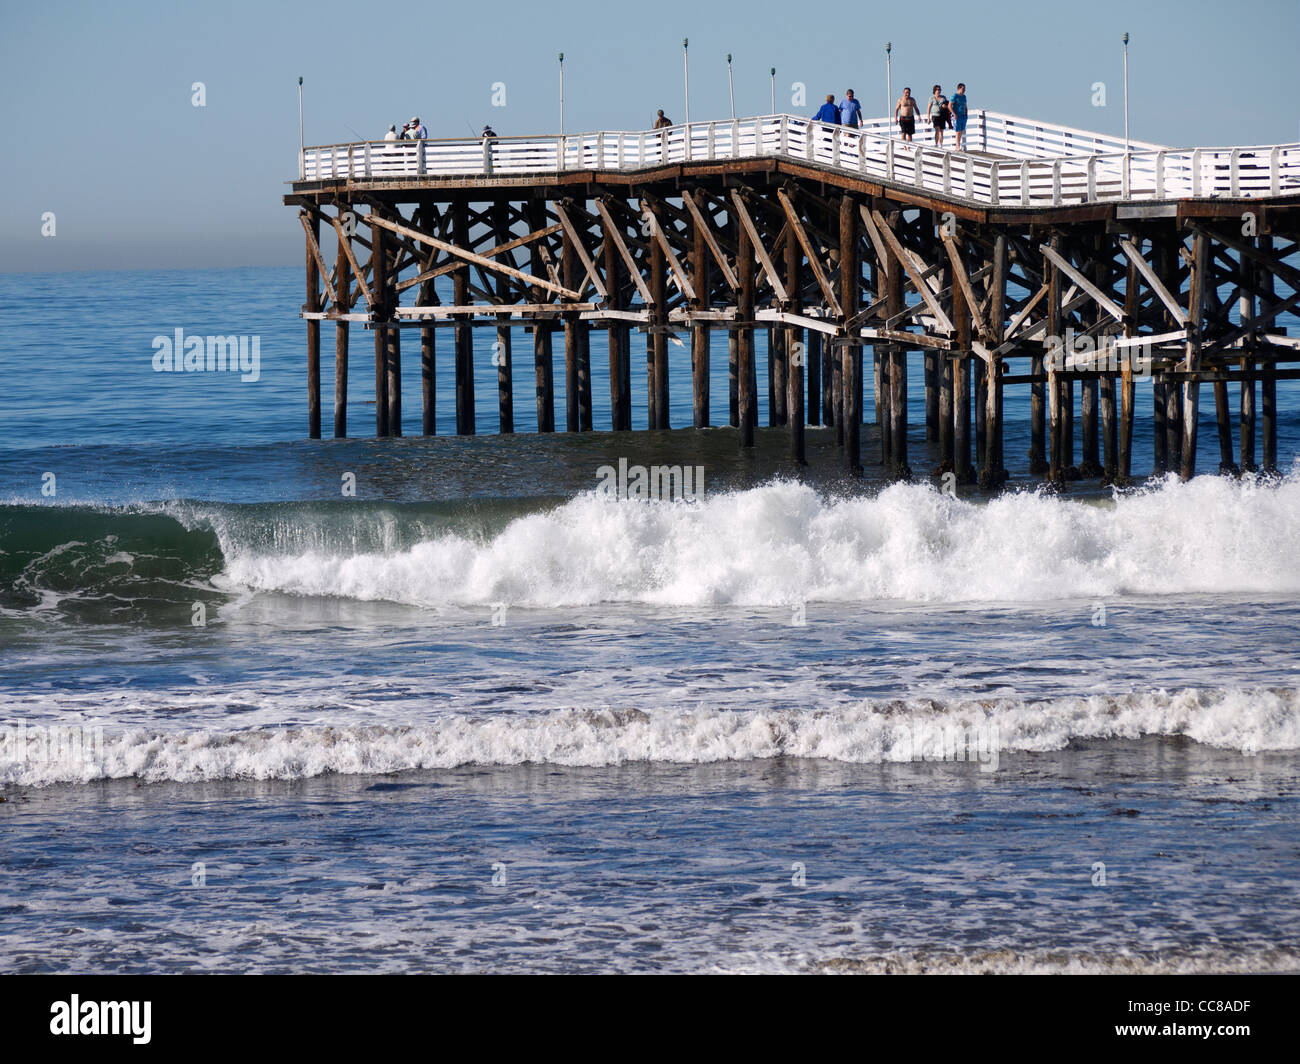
pixel 850 110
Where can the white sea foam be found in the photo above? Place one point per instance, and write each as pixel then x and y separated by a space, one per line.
pixel 1250 721
pixel 784 542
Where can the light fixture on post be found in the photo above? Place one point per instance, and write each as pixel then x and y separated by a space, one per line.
pixel 686 73
pixel 731 88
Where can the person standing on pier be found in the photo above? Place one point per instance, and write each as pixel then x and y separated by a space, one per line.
pixel 937 113
pixel 850 110
pixel 958 105
pixel 905 113
pixel 661 120
pixel 392 132
pixel 828 113
pixel 416 131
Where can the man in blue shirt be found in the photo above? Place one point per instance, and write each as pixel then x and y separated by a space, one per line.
pixel 958 104
pixel 850 111
pixel 829 113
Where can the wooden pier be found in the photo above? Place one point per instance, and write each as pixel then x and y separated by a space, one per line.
pixel 1055 259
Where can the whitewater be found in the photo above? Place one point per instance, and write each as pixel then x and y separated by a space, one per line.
pixel 594 632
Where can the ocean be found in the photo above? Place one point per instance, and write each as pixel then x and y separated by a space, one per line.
pixel 440 704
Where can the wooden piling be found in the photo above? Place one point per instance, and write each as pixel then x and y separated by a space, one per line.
pixel 1268 376
pixel 1172 393
pixel 312 306
pixel 1128 387
pixel 572 342
pixel 747 406
pixel 464 332
pixel 700 279
pixel 960 370
pixel 1247 279
pixel 618 336
pixel 993 473
pixel 780 353
pixel 543 354
pixel 379 281
pixel 944 385
pixel 657 349
pixel 851 354
pixel 394 385
pixel 343 292
pixel 795 353
pixel 894 379
pixel 1055 313
pixel 1192 357
pixel 1248 415
pixel 813 361
pixel 393 347
pixel 503 357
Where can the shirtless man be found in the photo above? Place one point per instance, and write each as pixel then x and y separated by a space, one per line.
pixel 905 111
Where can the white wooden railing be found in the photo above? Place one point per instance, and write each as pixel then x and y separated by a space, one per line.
pixel 1015 162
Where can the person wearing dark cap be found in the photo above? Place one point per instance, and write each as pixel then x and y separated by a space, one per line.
pixel 489 133
pixel 662 122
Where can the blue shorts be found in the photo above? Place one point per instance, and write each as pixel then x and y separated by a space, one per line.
pixel 959 123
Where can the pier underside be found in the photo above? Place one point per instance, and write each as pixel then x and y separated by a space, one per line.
pixel 1074 302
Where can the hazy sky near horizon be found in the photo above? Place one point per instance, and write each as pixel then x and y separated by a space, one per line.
pixel 101 130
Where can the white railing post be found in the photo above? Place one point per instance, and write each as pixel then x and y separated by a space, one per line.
pixel 712 141
pixel 1234 172
pixel 1056 183
pixel 783 135
pixel 1092 178
pixel 686 150
pixel 947 173
pixel 421 149
pixel 600 151
pixel 559 152
pixel 302 164
pixel 1274 176
pixel 969 190
pixel 622 151
pixel 889 160
pixel 1126 178
pixel 994 192
pixel 1160 176
pixel 487 155
pixel 918 168
pixel 1196 171
pixel 735 139
pixel 835 146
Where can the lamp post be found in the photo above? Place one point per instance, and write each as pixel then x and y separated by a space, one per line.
pixel 774 90
pixel 686 74
pixel 731 88
pixel 301 161
pixel 561 94
pixel 889 84
pixel 1126 94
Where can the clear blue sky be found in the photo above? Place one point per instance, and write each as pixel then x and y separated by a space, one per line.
pixel 99 126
